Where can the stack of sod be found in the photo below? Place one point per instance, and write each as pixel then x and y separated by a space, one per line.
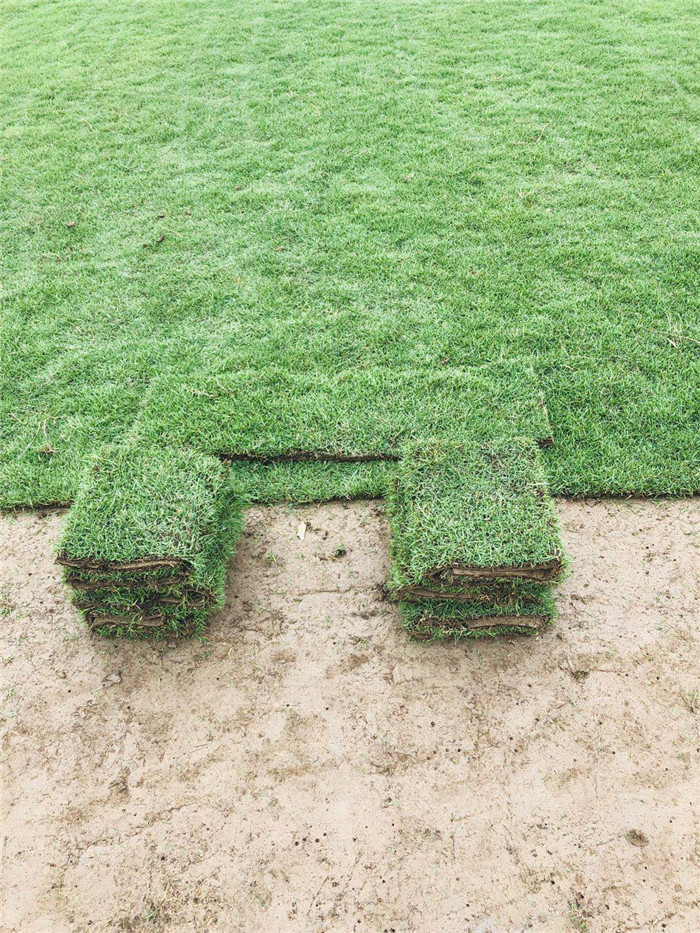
pixel 147 541
pixel 475 546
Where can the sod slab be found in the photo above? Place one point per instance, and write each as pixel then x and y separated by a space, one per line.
pixel 433 620
pixel 183 622
pixel 502 592
pixel 149 537
pixel 363 414
pixel 470 514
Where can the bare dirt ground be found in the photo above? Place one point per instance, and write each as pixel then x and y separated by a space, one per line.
pixel 306 768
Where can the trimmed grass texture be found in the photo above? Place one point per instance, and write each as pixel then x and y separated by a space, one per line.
pixel 311 481
pixel 148 538
pixel 357 415
pixel 327 186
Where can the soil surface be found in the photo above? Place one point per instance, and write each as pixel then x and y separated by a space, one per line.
pixel 307 768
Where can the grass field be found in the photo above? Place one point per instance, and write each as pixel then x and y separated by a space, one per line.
pixel 323 186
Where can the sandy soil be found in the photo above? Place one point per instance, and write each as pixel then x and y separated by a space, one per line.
pixel 306 768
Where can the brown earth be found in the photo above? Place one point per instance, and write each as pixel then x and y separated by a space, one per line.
pixel 306 768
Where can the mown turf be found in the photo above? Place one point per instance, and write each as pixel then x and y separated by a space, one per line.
pixel 365 414
pixel 327 185
pixel 471 513
pixel 659 405
pixel 305 481
pixel 53 427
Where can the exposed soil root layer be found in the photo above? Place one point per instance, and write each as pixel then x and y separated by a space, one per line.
pixel 308 456
pixel 144 564
pixel 475 594
pixel 537 573
pixel 485 624
pixel 110 584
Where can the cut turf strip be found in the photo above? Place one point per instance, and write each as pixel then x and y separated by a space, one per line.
pixel 430 620
pixel 471 513
pixel 306 481
pixel 355 416
pixel 148 538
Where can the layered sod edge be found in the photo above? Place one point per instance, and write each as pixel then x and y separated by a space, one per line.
pixel 438 620
pixel 177 514
pixel 475 544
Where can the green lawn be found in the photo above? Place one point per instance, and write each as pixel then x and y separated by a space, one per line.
pixel 207 187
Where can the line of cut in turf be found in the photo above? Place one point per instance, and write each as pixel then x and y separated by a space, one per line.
pixel 621 429
pixel 148 538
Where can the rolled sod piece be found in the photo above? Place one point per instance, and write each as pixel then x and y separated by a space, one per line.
pixel 430 620
pixel 465 515
pixel 148 538
pixel 353 416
